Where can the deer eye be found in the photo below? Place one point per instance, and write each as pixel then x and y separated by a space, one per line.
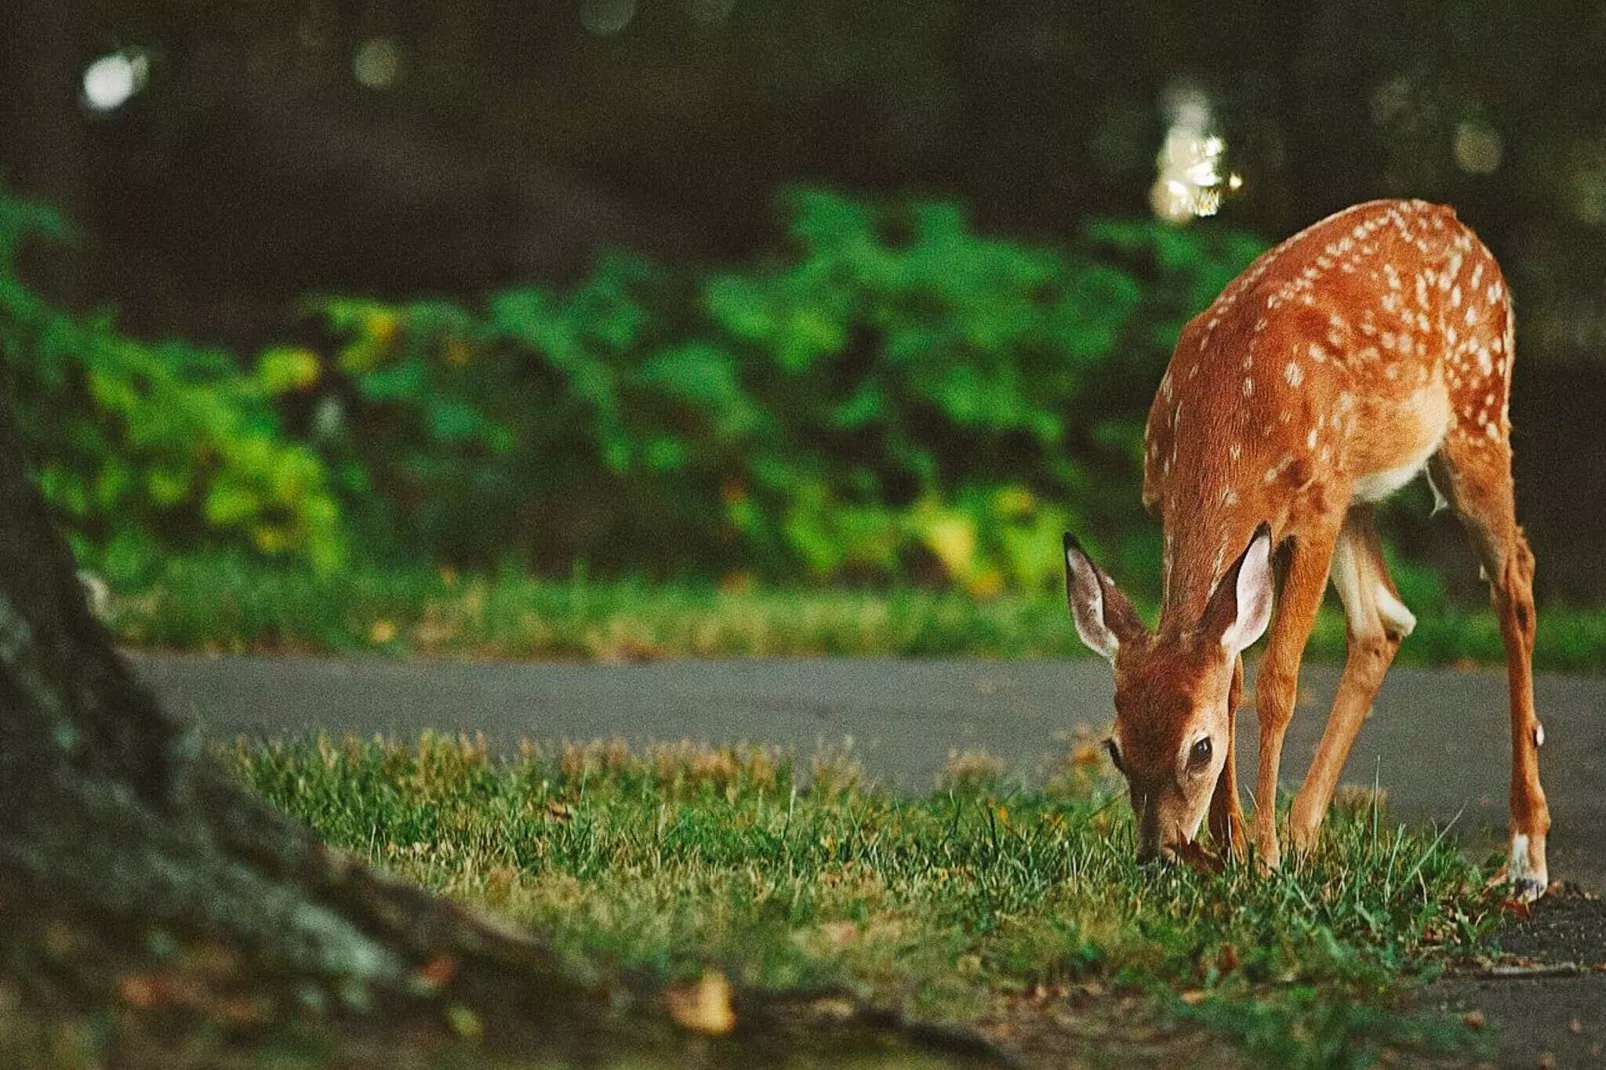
pixel 1200 754
pixel 1115 756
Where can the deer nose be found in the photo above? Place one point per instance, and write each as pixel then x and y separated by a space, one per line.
pixel 1156 851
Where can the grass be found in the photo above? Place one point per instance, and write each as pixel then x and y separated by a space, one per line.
pixel 226 604
pixel 1019 911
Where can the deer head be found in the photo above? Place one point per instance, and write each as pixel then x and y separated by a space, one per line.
pixel 1172 688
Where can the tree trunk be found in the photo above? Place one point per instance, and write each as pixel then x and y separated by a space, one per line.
pixel 135 876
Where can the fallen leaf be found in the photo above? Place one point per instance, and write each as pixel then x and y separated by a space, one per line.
pixel 436 973
pixel 1474 1020
pixel 1087 756
pixel 703 1005
pixel 138 990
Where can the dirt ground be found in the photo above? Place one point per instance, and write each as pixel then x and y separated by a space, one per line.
pixel 1545 1000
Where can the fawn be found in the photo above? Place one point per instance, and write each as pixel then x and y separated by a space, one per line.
pixel 1341 363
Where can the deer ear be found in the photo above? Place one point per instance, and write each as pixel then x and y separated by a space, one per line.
pixel 1104 618
pixel 1240 608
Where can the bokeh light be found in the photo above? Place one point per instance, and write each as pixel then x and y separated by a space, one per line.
pixel 1478 147
pixel 607 17
pixel 710 12
pixel 1584 192
pixel 1191 177
pixel 377 63
pixel 111 81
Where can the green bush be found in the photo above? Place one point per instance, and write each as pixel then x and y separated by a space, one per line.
pixel 144 447
pixel 893 396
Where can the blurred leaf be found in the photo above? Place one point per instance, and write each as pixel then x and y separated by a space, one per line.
pixel 287 368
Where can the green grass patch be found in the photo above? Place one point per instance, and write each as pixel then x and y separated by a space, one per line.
pixel 226 603
pixel 970 903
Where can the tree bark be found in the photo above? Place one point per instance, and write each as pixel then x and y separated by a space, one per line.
pixel 134 875
pixel 115 828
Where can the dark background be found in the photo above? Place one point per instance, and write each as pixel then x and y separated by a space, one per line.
pixel 286 147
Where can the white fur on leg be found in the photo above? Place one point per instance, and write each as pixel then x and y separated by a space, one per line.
pixel 1399 619
pixel 1528 882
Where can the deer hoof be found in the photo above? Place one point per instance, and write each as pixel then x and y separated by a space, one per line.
pixel 1527 889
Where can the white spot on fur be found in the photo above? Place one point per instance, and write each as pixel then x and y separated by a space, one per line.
pixel 1279 468
pixel 1293 374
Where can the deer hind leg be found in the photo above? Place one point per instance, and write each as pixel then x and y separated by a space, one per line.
pixel 1474 472
pixel 1376 620
pixel 1277 683
pixel 1226 813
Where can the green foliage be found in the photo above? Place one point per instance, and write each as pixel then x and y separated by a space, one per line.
pixel 138 446
pixel 893 396
pixel 228 602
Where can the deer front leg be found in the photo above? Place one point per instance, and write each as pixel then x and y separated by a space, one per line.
pixel 1226 814
pixel 1377 621
pixel 1277 683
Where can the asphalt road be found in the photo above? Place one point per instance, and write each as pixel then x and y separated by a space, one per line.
pixel 1437 742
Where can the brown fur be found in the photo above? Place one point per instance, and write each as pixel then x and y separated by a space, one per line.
pixel 1325 376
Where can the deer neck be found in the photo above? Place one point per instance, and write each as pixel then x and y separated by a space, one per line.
pixel 1201 542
